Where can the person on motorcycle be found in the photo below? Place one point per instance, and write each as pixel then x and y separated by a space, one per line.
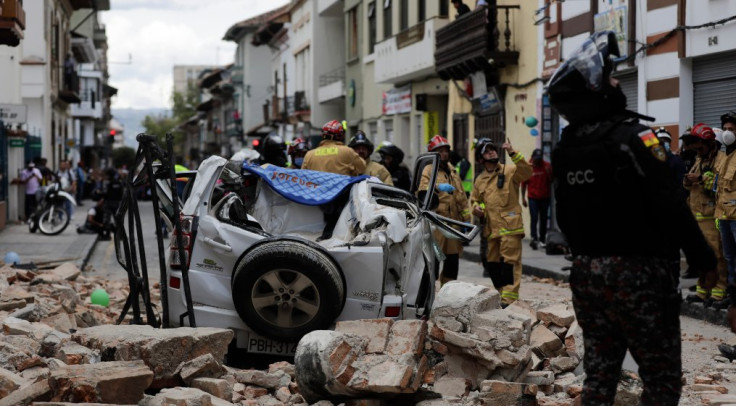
pixel 297 151
pixel 273 151
pixel 392 158
pixel 364 147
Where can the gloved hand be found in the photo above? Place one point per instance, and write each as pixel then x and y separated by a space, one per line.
pixel 446 187
pixel 708 178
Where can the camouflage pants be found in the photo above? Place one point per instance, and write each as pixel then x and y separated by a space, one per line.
pixel 628 303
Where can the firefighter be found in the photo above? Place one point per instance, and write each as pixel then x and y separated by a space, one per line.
pixel 297 151
pixel 392 158
pixel 332 155
pixel 452 204
pixel 702 200
pixel 495 198
pixel 364 147
pixel 625 223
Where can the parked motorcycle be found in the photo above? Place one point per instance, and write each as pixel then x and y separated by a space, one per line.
pixel 51 218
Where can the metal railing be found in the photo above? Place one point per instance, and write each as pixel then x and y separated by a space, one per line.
pixel 333 76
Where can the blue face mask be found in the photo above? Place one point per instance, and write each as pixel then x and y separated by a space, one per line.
pixel 298 162
pixel 667 146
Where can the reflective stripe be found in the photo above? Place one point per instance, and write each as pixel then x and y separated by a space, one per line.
pixel 482 206
pixel 701 290
pixel 504 231
pixel 465 212
pixel 700 216
pixel 509 294
pixel 518 157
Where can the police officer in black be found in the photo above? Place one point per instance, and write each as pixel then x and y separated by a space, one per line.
pixel 273 151
pixel 625 222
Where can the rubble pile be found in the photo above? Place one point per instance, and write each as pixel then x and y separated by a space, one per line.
pixel 57 348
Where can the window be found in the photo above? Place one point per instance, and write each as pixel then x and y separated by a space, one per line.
pixel 371 27
pixel 404 9
pixel 353 33
pixel 444 8
pixel 388 130
pixel 387 19
pixel 373 132
pixel 422 10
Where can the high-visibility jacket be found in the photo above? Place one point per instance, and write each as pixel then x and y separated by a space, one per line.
pixel 334 156
pixel 373 168
pixel 702 198
pixel 500 205
pixel 468 180
pixel 452 205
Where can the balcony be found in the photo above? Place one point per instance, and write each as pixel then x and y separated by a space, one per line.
pixel 89 106
pixel 83 49
pixel 12 22
pixel 332 86
pixel 475 42
pixel 409 54
pixel 70 91
pixel 99 37
pixel 331 8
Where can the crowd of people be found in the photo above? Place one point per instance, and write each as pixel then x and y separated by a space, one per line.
pixel 105 188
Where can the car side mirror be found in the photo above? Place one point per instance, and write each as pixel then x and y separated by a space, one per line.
pixel 425 167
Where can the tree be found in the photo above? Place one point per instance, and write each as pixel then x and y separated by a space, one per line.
pixel 184 106
pixel 123 156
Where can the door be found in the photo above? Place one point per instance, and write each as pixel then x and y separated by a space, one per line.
pixel 714 88
pixel 460 141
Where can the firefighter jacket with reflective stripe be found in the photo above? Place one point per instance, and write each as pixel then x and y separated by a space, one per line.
pixel 616 195
pixel 375 169
pixel 334 156
pixel 702 198
pixel 500 197
pixel 726 187
pixel 452 205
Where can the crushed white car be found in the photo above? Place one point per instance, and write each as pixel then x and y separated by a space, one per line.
pixel 256 264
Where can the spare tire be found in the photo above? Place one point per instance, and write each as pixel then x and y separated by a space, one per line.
pixel 285 289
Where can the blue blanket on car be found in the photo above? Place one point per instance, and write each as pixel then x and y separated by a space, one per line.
pixel 303 186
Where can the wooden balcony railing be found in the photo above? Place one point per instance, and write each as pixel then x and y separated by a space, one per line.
pixel 475 41
pixel 12 22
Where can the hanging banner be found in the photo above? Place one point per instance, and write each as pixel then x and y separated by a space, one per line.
pixel 397 101
pixel 431 125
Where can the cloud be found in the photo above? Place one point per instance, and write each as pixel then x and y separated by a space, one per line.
pixel 158 34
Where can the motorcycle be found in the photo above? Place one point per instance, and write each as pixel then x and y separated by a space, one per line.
pixel 51 218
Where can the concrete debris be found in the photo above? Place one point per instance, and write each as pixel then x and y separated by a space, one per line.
pixel 204 366
pixel 557 314
pixel 104 382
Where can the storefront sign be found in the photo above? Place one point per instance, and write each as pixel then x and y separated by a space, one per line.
pixel 397 101
pixel 431 125
pixel 616 20
pixel 13 113
pixel 16 142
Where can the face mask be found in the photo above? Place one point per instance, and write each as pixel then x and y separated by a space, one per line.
pixel 667 146
pixel 728 138
pixel 298 162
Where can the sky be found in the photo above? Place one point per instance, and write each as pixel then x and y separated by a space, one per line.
pixel 158 34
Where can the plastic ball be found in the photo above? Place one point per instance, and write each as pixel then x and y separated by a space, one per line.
pixel 100 297
pixel 531 121
pixel 12 258
pixel 534 132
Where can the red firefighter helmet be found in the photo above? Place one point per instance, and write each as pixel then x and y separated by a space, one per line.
pixel 333 131
pixel 297 145
pixel 703 132
pixel 436 142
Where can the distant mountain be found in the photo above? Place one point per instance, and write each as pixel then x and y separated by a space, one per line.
pixel 132 120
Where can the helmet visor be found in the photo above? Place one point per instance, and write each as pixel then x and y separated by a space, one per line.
pixel 589 60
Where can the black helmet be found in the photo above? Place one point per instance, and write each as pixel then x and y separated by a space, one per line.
pixel 481 146
pixel 580 89
pixel 272 150
pixel 729 117
pixel 387 148
pixel 361 139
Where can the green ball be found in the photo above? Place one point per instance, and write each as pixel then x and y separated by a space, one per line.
pixel 100 297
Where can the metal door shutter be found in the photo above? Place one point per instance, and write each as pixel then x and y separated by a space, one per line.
pixel 714 87
pixel 629 83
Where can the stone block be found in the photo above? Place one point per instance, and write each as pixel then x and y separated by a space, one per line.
pixel 284 366
pixel 376 331
pixel 74 354
pixel 407 337
pixel 389 377
pixel 507 393
pixel 34 330
pixel 185 397
pixel 545 341
pixel 540 378
pixel 64 272
pixel 523 308
pixel 254 392
pixel 25 395
pixel 9 382
pixel 574 341
pixel 204 366
pixel 105 382
pixel 557 314
pixel 452 387
pixel 462 300
pixel 216 387
pixel 563 364
pixel 163 350
pixel 698 387
pixel 505 328
pixel 259 378
pixel 61 322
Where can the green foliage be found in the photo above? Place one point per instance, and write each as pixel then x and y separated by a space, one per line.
pixel 123 156
pixel 183 108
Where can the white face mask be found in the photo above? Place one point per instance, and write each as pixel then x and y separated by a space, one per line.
pixel 728 138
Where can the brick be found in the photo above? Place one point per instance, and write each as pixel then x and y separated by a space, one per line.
pixel 9 382
pixel 507 393
pixel 523 308
pixel 704 387
pixel 376 331
pixel 106 382
pixel 389 377
pixel 215 387
pixel 545 341
pixel 338 355
pixel 204 366
pixel 574 341
pixel 407 337
pixel 39 391
pixel 563 364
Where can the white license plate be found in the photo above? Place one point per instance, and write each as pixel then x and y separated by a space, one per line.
pixel 263 345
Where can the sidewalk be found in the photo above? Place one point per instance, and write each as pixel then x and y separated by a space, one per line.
pixel 37 247
pixel 537 263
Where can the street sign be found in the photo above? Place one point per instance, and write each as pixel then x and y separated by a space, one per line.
pixel 16 142
pixel 13 113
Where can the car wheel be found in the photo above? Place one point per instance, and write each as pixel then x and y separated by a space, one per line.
pixel 285 289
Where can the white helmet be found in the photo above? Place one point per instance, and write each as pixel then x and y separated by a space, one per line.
pixel 728 138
